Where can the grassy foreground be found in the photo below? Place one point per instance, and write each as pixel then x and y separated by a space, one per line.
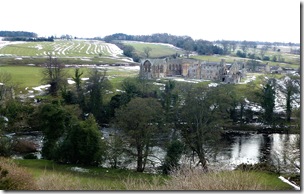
pixel 52 176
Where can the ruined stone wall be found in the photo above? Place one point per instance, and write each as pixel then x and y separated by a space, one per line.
pixel 189 68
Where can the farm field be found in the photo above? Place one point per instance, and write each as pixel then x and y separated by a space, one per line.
pixel 99 52
pixel 162 50
pixel 82 49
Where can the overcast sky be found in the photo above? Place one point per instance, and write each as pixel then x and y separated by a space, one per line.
pixel 256 20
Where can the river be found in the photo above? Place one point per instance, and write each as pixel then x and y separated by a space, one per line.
pixel 233 150
pixel 277 149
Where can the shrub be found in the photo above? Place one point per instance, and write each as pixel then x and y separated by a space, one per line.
pixel 241 54
pixel 83 144
pixel 5 146
pixel 30 156
pixel 266 167
pixel 266 58
pixel 13 177
pixel 174 153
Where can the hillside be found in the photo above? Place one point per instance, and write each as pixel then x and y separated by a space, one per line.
pixel 84 49
pixel 158 50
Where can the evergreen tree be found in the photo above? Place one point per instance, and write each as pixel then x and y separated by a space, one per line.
pixel 268 100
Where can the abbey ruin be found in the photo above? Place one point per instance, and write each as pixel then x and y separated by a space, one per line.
pixel 193 69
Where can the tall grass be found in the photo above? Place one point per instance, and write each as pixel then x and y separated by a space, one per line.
pixel 51 176
pixel 188 179
pixel 13 177
pixel 65 181
pixel 194 179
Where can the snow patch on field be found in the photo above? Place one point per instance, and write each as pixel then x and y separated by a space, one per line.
pixel 79 169
pixel 39 88
pixel 85 59
pixel 87 51
pixel 157 43
pixel 212 85
pixel 114 50
pixel 39 47
pixel 248 79
pixel 5 43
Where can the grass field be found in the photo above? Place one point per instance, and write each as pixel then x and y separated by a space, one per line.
pixel 158 49
pixel 51 176
pixel 99 52
pixel 30 76
pixel 229 59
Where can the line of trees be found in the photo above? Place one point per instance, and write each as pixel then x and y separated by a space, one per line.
pixel 202 47
pixel 23 36
pixel 39 39
pixel 18 34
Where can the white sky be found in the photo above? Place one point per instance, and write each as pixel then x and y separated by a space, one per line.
pixel 256 20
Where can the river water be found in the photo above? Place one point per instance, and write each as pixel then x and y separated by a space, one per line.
pixel 277 149
pixel 233 150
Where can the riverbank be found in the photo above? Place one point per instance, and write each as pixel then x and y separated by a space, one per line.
pixel 258 128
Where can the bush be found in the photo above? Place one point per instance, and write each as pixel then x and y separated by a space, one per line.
pixel 5 146
pixel 30 156
pixel 266 58
pixel 241 54
pixel 82 145
pixel 13 177
pixel 174 153
pixel 257 167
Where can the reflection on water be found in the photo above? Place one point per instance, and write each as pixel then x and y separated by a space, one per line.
pixel 254 148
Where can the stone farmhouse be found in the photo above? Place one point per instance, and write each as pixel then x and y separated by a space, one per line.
pixel 193 69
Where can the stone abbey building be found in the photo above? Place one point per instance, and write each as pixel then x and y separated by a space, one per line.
pixel 193 69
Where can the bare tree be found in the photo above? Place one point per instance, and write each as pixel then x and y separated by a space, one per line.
pixel 54 75
pixel 147 51
pixel 226 47
pixel 263 51
pixel 201 117
pixel 244 46
pixel 233 46
pixel 6 88
pixel 96 89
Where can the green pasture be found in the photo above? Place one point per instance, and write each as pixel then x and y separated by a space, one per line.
pixel 31 76
pixel 97 60
pixel 24 76
pixel 158 50
pixel 216 58
pixel 229 59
